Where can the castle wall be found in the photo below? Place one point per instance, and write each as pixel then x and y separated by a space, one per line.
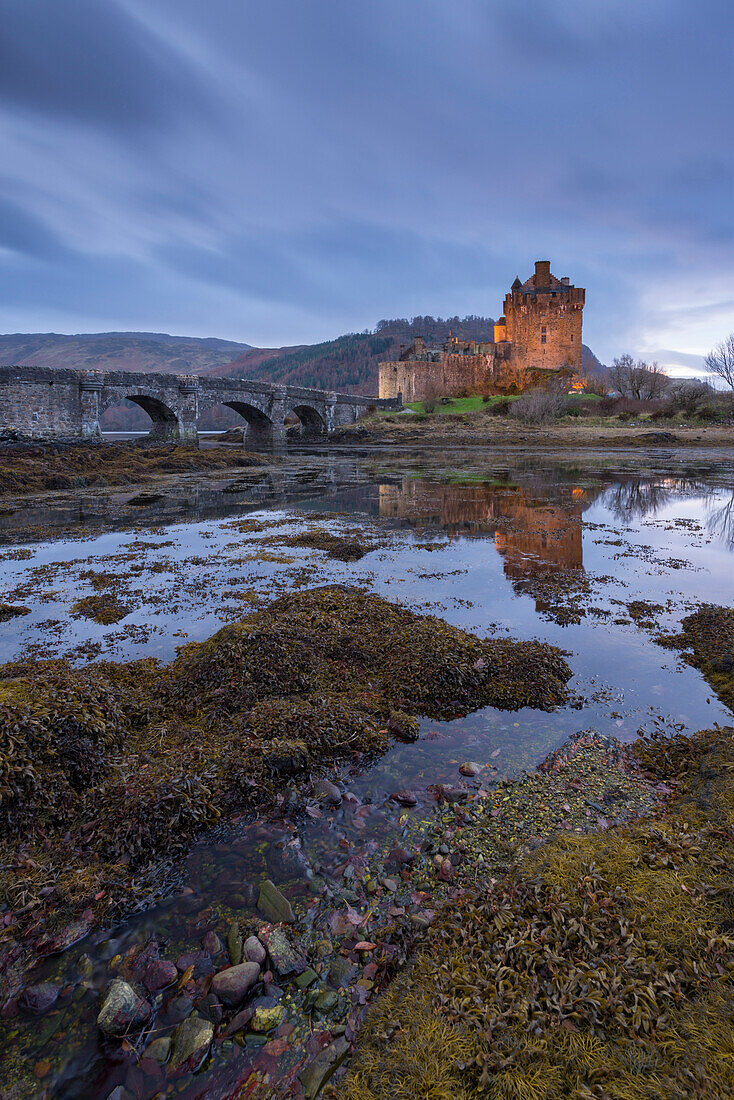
pixel 417 379
pixel 555 315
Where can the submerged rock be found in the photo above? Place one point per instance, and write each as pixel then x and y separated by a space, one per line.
pixel 253 950
pixel 318 1072
pixel 39 998
pixel 160 974
pixel 234 943
pixel 274 905
pixel 231 985
pixel 286 959
pixel 266 1017
pixel 159 1049
pixel 122 1009
pixel 190 1041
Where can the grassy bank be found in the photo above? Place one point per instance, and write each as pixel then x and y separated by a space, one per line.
pixel 595 966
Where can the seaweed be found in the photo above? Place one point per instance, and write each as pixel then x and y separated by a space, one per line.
pixel 106 768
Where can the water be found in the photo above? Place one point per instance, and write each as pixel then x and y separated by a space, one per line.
pixel 517 544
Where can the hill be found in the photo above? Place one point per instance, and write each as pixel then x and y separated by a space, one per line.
pixel 136 351
pixel 350 362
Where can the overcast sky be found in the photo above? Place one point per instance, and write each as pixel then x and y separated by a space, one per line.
pixel 282 171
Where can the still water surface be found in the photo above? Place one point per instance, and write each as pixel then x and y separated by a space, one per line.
pixel 494 547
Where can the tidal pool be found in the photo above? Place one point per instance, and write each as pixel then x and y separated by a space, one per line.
pixel 593 554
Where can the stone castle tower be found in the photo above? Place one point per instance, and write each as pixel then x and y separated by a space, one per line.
pixel 542 321
pixel 538 336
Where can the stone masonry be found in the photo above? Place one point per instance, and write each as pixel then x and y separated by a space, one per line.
pixel 44 402
pixel 538 336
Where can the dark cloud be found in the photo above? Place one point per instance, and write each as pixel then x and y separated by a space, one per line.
pixel 283 171
pixel 90 60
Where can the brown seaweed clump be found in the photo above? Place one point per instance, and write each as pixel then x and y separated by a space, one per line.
pixel 338 547
pixel 105 769
pixel 601 967
pixel 709 635
pixel 104 608
pixel 12 611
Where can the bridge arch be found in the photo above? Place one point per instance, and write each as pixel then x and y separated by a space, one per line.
pixel 312 422
pixel 164 421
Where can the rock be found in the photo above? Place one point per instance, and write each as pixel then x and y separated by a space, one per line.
pixel 400 732
pixel 307 978
pixel 405 798
pixel 285 958
pixel 190 1041
pixel 253 950
pixel 231 985
pixel 454 794
pixel 327 792
pixel 122 1009
pixel 84 967
pixel 239 1021
pixel 325 1001
pixel 200 961
pixel 390 884
pixel 234 943
pixel 341 972
pixel 120 1093
pixel 159 974
pixel 273 905
pixel 179 1008
pixel 39 998
pixel 266 1018
pixel 158 1050
pixel 318 1072
pixel 210 1008
pixel 470 768
pixel 212 943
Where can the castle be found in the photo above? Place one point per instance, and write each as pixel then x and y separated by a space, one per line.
pixel 538 336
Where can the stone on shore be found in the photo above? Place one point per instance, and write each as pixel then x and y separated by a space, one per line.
pixel 285 958
pixel 39 998
pixel 253 950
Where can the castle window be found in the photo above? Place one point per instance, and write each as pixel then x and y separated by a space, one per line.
pixel 571 337
pixel 542 334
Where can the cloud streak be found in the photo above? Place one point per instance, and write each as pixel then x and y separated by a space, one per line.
pixel 283 172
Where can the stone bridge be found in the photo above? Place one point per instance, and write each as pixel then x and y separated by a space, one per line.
pixel 45 402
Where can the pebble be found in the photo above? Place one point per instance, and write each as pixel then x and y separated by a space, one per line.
pixel 273 904
pixel 121 1009
pixel 212 943
pixel 253 950
pixel 160 973
pixel 234 943
pixel 231 985
pixel 267 1018
pixel 327 792
pixel 158 1050
pixel 326 1001
pixel 286 959
pixel 470 768
pixel 404 798
pixel 39 998
pixel 191 1040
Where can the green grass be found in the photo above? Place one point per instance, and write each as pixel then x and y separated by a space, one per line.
pixel 460 404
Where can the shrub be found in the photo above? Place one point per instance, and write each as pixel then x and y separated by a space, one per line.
pixel 539 406
pixel 500 408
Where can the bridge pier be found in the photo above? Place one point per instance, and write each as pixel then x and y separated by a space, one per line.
pixel 90 391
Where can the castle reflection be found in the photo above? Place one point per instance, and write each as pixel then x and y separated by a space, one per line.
pixel 532 531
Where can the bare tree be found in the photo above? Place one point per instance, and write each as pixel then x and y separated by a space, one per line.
pixel 640 380
pixel 720 361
